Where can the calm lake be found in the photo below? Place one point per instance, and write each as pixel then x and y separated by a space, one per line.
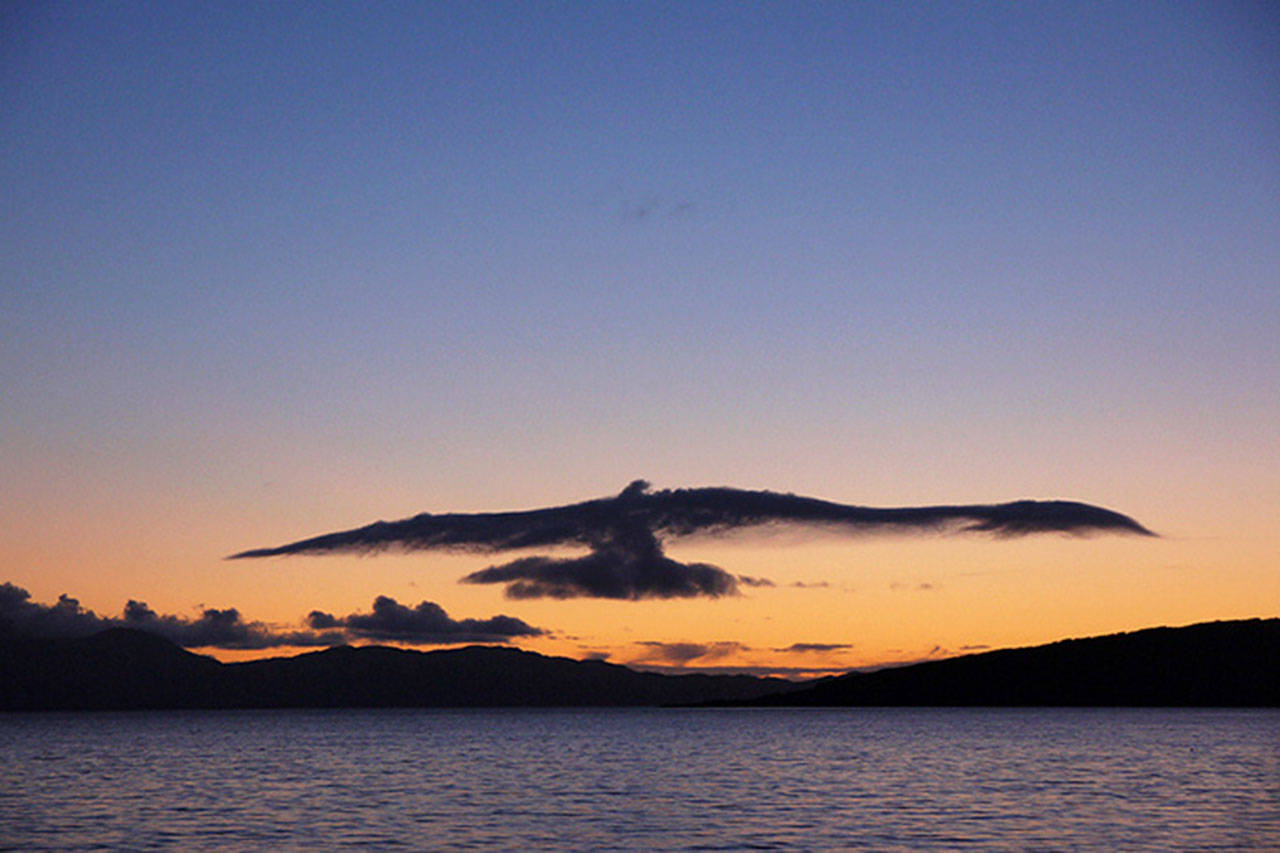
pixel 880 779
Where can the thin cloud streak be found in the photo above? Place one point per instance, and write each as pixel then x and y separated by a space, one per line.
pixel 801 648
pixel 625 534
pixel 794 673
pixel 682 653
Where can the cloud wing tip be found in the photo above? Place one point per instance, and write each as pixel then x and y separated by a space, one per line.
pixel 253 553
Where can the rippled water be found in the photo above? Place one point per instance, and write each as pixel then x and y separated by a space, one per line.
pixel 643 779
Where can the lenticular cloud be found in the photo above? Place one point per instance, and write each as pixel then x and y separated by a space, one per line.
pixel 624 535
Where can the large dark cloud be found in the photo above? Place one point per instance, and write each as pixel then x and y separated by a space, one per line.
pixel 624 534
pixel 426 623
pixel 227 629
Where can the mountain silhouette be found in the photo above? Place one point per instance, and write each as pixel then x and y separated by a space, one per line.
pixel 1211 664
pixel 123 668
pixel 1226 664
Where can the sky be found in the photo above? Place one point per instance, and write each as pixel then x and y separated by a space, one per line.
pixel 269 271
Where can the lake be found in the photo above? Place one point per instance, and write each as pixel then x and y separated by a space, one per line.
pixel 643 779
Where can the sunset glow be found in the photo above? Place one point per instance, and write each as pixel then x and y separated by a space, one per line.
pixel 273 271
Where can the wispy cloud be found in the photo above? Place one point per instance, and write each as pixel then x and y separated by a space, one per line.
pixel 748 580
pixel 651 207
pixel 761 671
pixel 625 536
pixel 921 586
pixel 227 629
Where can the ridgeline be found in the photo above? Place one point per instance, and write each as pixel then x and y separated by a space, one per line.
pixel 1211 664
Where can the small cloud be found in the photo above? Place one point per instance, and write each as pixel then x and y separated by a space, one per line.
pixel 811 584
pixel 653 207
pixel 974 648
pixel 425 623
pixel 633 211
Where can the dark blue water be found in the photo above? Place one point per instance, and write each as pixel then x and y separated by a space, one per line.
pixel 878 779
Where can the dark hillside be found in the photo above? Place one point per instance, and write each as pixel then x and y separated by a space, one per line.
pixel 125 669
pixel 116 669
pixel 1210 664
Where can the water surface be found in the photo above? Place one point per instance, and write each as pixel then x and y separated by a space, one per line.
pixel 645 779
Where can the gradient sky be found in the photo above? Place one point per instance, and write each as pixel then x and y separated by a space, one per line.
pixel 271 270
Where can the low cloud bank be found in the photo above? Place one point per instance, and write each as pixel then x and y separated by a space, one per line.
pixel 222 629
pixel 227 629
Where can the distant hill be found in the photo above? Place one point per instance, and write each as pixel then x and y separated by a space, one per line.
pixel 1228 664
pixel 128 669
pixel 117 668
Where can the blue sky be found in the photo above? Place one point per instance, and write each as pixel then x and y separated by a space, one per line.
pixel 284 266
